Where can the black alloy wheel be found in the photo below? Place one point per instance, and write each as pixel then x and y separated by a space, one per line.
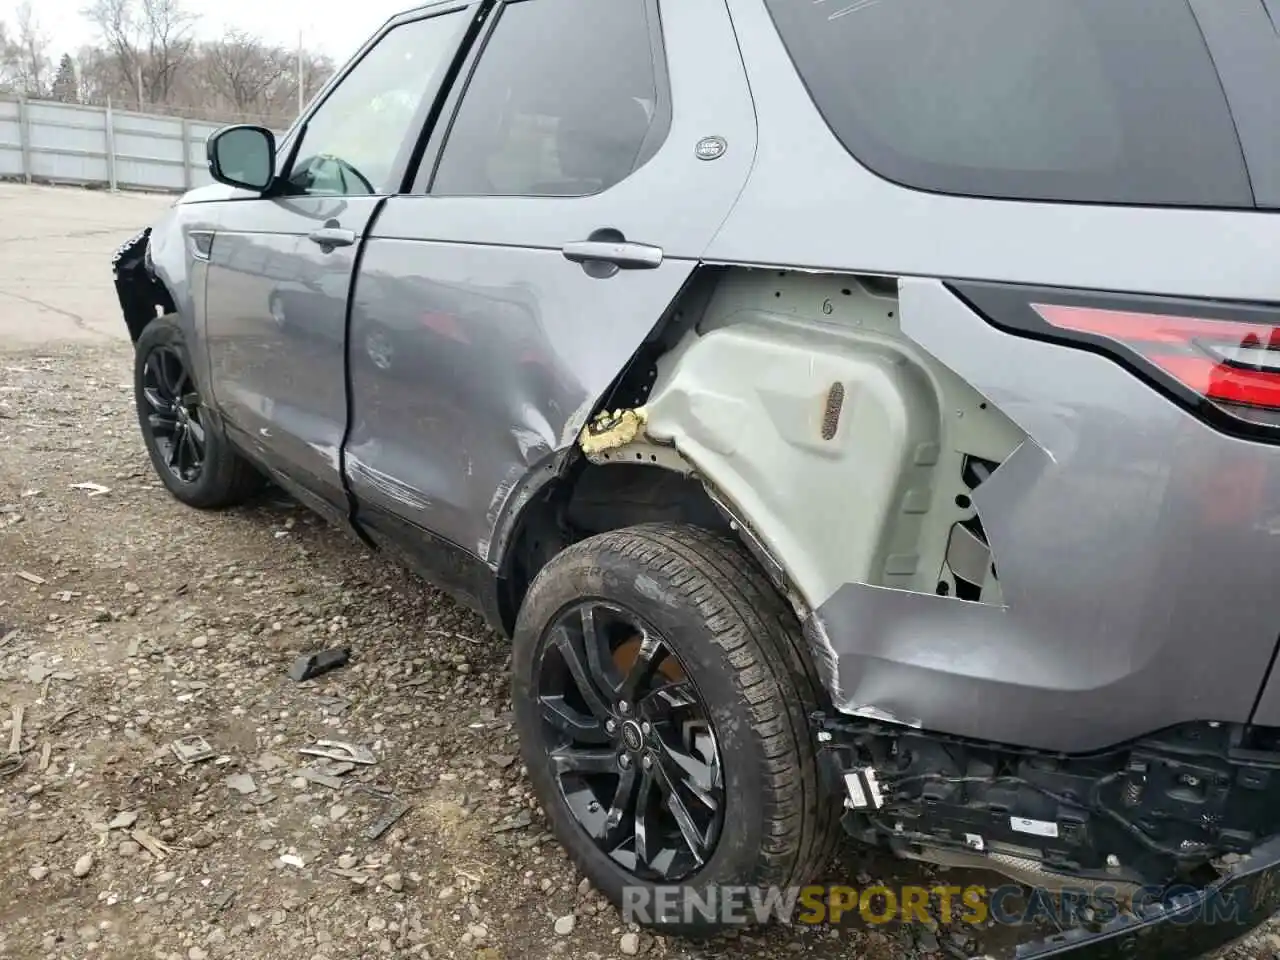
pixel 175 419
pixel 663 694
pixel 185 440
pixel 630 741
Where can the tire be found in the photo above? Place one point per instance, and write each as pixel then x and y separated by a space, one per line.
pixel 740 645
pixel 224 478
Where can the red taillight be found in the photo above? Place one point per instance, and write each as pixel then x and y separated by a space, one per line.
pixel 1229 362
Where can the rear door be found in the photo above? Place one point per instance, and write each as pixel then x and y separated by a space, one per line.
pixel 280 267
pixel 591 154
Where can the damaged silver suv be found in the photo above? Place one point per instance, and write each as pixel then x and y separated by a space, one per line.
pixel 858 413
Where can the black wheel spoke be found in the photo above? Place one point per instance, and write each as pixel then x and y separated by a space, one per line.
pixel 696 776
pixel 629 741
pixel 578 726
pixel 693 837
pixel 580 760
pixel 672 698
pixel 189 456
pixel 177 373
pixel 163 423
pixel 170 413
pixel 642 838
pixel 598 660
pixel 167 384
pixel 620 820
pixel 156 401
pixel 197 436
pixel 648 659
pixel 577 663
pixel 175 447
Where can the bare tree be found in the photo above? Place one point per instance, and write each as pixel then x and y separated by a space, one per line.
pixel 24 56
pixel 33 44
pixel 10 58
pixel 99 77
pixel 168 28
pixel 244 72
pixel 150 42
pixel 148 57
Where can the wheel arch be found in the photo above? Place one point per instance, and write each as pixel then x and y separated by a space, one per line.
pixel 586 499
pixel 573 495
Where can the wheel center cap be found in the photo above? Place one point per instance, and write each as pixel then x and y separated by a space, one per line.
pixel 632 738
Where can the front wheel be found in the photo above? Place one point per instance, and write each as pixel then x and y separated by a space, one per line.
pixel 188 450
pixel 662 693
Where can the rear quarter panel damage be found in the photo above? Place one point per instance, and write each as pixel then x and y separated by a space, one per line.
pixel 1132 599
pixel 1133 579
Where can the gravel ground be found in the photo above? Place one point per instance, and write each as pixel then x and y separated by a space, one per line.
pixel 128 621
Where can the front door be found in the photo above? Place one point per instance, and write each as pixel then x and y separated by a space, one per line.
pixel 280 267
pixel 588 162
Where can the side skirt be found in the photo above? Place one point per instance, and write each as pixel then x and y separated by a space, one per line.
pixel 443 564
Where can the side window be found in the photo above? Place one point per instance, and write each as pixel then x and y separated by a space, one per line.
pixel 567 99
pixel 1103 101
pixel 352 139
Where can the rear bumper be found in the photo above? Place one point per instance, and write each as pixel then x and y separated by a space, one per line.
pixel 1190 926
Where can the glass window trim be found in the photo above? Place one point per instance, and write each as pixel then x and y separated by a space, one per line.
pixel 292 143
pixel 425 176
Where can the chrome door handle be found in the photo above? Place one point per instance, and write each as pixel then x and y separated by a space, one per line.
pixel 622 254
pixel 333 237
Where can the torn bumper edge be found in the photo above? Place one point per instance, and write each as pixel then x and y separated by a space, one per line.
pixel 1189 924
pixel 1185 927
pixel 128 267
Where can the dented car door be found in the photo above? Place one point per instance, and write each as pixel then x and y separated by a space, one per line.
pixel 281 266
pixel 497 302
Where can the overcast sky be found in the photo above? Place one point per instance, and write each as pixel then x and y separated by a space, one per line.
pixel 337 34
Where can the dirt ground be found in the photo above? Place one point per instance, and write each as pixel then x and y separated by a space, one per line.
pixel 128 622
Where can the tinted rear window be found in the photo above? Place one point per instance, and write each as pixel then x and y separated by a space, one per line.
pixel 1104 101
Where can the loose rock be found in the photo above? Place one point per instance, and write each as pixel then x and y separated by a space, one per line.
pixel 564 925
pixel 242 783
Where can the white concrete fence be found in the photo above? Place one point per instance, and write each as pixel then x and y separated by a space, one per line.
pixel 43 141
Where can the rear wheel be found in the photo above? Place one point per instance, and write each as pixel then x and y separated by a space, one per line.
pixel 188 450
pixel 662 692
